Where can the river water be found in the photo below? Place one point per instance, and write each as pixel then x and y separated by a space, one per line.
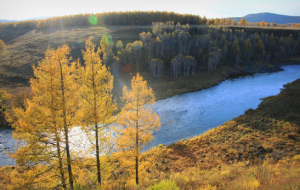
pixel 190 114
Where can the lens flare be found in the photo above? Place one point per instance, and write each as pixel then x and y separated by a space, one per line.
pixel 127 68
pixel 93 19
pixel 109 37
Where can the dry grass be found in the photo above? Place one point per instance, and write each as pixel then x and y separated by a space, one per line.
pixel 25 48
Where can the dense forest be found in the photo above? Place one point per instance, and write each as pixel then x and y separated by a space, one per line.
pixel 183 50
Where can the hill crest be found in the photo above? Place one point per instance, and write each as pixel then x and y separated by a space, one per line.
pixel 271 18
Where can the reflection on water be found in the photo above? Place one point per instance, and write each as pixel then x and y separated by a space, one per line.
pixel 191 114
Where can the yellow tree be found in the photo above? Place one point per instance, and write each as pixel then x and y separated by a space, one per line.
pixel 262 23
pixel 243 22
pixel 49 113
pixel 96 94
pixel 2 46
pixel 137 121
pixel 68 96
pixel 4 97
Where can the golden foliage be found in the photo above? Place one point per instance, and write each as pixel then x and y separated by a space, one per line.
pixel 137 121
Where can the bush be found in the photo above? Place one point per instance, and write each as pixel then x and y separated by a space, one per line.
pixel 164 185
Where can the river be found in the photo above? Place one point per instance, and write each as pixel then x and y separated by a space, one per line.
pixel 190 114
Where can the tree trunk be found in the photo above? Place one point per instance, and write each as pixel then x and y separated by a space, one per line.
pixel 66 131
pixel 137 150
pixel 97 155
pixel 137 157
pixel 62 175
pixel 96 128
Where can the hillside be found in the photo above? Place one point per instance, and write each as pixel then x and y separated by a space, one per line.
pixel 26 47
pixel 271 18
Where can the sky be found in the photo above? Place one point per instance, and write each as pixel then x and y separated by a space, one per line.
pixel 24 9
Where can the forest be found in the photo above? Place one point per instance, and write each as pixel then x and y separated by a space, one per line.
pixel 182 50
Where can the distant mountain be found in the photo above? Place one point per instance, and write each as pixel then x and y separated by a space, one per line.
pixel 271 17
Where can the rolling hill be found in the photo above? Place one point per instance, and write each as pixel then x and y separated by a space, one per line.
pixel 271 18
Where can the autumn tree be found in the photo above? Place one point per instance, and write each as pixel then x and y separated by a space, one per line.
pixel 137 121
pixel 96 83
pixel 2 46
pixel 262 23
pixel 4 98
pixel 49 114
pixel 119 45
pixel 243 22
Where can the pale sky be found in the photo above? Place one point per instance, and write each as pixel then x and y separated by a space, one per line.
pixel 24 9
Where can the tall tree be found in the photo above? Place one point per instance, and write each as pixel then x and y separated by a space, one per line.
pixel 137 51
pixel 69 99
pixel 137 120
pixel 119 45
pixel 96 83
pixel 235 50
pixel 49 113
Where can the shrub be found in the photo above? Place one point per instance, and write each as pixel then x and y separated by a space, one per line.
pixel 164 185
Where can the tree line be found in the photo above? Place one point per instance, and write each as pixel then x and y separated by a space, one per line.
pixel 67 93
pixel 132 18
pixel 104 19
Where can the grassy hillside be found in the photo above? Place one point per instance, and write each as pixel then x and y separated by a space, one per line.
pixel 26 47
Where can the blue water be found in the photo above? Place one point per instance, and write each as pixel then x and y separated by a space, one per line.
pixel 190 114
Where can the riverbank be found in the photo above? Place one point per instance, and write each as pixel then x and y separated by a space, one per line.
pixel 168 86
